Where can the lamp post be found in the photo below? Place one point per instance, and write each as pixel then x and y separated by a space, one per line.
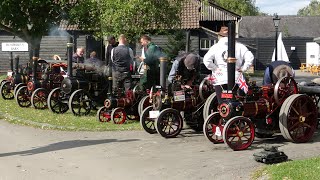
pixel 276 22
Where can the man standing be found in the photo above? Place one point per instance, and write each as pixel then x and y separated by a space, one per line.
pixel 78 56
pixel 151 75
pixel 112 44
pixel 94 60
pixel 216 60
pixel 122 57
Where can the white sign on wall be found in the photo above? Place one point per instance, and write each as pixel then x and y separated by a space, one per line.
pixel 14 46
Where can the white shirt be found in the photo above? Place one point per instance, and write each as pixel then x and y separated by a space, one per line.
pixel 216 59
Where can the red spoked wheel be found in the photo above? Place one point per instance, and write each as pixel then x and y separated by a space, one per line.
pixel 213 128
pixel 146 122
pixel 298 118
pixel 104 114
pixel 39 98
pixel 169 123
pixel 118 115
pixel 6 90
pixel 284 87
pixel 22 97
pixel 238 133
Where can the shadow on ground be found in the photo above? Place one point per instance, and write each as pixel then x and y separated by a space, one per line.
pixel 63 145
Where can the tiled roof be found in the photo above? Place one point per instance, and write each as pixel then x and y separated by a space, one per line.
pixel 290 26
pixel 67 27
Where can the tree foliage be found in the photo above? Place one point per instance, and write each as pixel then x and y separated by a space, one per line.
pixel 32 19
pixel 135 17
pixel 241 7
pixel 313 9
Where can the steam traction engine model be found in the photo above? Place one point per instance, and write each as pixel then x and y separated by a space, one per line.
pixel 80 93
pixel 164 116
pixel 47 74
pixel 123 104
pixel 262 111
pixel 15 79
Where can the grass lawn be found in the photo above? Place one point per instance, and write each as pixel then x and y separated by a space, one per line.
pixel 10 111
pixel 292 170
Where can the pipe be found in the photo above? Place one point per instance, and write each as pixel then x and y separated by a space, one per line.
pixel 231 65
pixel 70 53
pixel 16 58
pixel 35 67
pixel 11 61
pixel 163 71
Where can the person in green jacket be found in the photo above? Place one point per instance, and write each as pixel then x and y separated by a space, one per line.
pixel 151 62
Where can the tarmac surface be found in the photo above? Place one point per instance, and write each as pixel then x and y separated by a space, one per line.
pixel 36 154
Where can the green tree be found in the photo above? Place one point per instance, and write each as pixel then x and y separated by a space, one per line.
pixel 313 9
pixel 241 7
pixel 32 19
pixel 136 17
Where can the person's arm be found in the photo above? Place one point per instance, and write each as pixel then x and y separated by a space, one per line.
pixel 208 60
pixel 173 70
pixel 248 59
pixel 111 56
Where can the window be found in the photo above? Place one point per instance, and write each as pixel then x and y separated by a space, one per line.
pixel 205 44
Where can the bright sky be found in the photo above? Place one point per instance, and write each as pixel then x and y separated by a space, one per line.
pixel 281 7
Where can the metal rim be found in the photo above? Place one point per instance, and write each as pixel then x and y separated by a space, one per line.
pixel 39 98
pixel 137 92
pixel 22 97
pixel 118 115
pixel 238 133
pixel 284 87
pixel 169 123
pixel 213 127
pixel 6 90
pixel 205 88
pixel 55 102
pixel 146 122
pixel 210 106
pixel 298 118
pixel 143 103
pixel 80 103
pixel 104 114
pixel 16 87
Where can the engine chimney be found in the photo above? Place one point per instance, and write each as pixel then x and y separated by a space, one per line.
pixel 70 53
pixel 11 62
pixel 231 66
pixel 163 71
pixel 35 67
pixel 16 58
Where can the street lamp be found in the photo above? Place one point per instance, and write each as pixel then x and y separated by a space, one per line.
pixel 276 22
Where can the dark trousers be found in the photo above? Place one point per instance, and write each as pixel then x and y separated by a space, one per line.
pixel 121 80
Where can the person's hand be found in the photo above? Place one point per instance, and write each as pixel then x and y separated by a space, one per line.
pixel 239 70
pixel 185 87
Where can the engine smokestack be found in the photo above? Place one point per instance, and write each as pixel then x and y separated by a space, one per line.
pixel 163 71
pixel 231 66
pixel 69 54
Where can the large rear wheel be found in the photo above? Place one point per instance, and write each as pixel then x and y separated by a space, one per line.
pixel 6 90
pixel 80 103
pixel 39 98
pixel 22 97
pixel 298 118
pixel 169 123
pixel 56 102
pixel 210 106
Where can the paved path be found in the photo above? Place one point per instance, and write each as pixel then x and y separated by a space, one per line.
pixel 34 154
